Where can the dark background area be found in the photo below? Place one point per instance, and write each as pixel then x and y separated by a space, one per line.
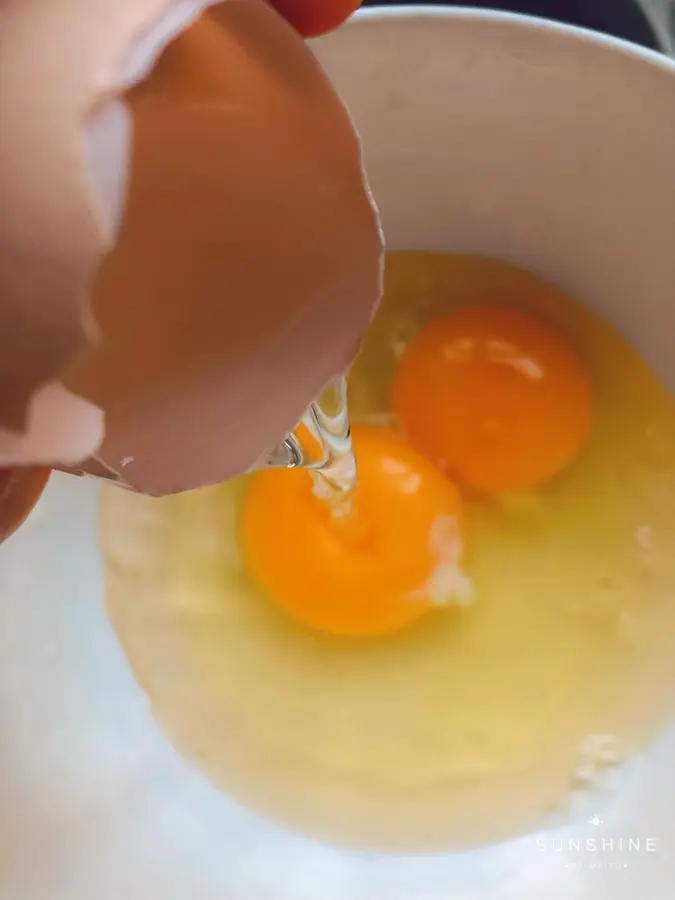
pixel 621 18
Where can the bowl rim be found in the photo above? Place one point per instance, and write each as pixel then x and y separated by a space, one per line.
pixel 373 16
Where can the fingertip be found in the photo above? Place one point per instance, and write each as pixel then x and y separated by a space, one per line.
pixel 312 18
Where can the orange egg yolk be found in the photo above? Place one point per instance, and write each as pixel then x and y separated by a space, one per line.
pixel 495 397
pixel 371 572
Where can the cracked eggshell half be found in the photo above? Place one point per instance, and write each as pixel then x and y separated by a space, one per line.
pixel 188 247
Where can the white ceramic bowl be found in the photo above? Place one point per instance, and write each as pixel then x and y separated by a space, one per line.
pixel 551 147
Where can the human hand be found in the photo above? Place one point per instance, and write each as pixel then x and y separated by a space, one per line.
pixel 314 17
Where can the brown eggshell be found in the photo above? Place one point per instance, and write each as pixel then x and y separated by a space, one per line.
pixel 58 59
pixel 248 259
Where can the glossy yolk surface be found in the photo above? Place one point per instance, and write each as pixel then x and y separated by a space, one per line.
pixel 495 397
pixel 369 573
pixel 314 17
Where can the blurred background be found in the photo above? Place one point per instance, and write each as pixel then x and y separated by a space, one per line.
pixel 647 22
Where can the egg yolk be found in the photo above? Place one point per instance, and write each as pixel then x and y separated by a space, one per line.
pixel 372 571
pixel 496 397
pixel 314 17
